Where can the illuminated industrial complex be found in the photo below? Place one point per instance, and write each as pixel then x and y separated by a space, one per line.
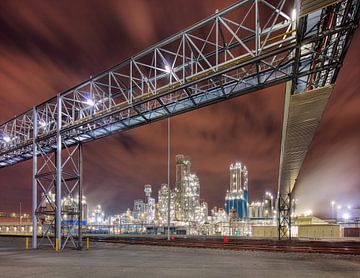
pixel 233 52
pixel 190 215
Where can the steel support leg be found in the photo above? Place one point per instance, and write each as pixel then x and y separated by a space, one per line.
pixel 284 216
pixel 282 204
pixel 72 197
pixel 80 198
pixel 58 174
pixel 34 183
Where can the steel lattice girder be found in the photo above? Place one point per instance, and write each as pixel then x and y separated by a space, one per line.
pixel 228 54
pixel 51 196
pixel 285 203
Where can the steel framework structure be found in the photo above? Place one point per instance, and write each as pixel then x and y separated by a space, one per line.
pixel 58 189
pixel 284 217
pixel 250 45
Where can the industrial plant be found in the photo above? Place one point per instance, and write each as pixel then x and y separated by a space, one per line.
pixel 189 214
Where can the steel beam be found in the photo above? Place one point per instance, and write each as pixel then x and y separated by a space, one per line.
pixel 34 183
pixel 58 212
pixel 80 197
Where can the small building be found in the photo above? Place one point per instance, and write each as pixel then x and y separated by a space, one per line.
pixel 264 231
pixel 313 227
pixel 319 231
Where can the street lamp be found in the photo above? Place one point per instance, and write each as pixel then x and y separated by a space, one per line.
pixel 332 209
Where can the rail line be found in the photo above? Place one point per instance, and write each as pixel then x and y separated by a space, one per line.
pixel 297 246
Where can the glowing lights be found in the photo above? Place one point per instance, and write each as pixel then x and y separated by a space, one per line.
pixel 89 102
pixel 42 123
pixel 293 15
pixel 7 139
pixel 236 165
pixel 308 212
pixel 167 69
pixel 344 212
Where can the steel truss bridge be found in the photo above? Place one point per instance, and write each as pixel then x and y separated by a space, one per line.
pixel 248 46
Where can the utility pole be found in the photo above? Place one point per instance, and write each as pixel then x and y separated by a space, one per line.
pixel 168 180
pixel 20 214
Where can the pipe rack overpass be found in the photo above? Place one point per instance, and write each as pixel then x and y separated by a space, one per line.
pixel 230 53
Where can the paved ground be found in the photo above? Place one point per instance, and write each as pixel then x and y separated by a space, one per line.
pixel 118 260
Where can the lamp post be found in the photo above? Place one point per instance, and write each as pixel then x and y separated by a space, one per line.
pixel 333 209
pixel 168 180
pixel 20 214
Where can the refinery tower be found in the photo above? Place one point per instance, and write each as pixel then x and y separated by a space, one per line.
pixel 188 207
pixel 236 200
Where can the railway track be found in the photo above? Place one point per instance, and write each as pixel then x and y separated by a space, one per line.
pixel 326 247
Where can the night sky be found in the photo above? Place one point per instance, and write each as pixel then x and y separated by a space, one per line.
pixel 49 46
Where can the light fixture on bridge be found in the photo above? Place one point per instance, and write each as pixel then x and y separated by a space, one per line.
pixel 42 123
pixel 167 69
pixel 7 139
pixel 293 15
pixel 89 102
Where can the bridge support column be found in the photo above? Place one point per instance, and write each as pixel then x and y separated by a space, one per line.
pixel 58 210
pixel 64 224
pixel 69 197
pixel 80 198
pixel 57 187
pixel 44 182
pixel 34 183
pixel 68 187
pixel 284 196
pixel 284 206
